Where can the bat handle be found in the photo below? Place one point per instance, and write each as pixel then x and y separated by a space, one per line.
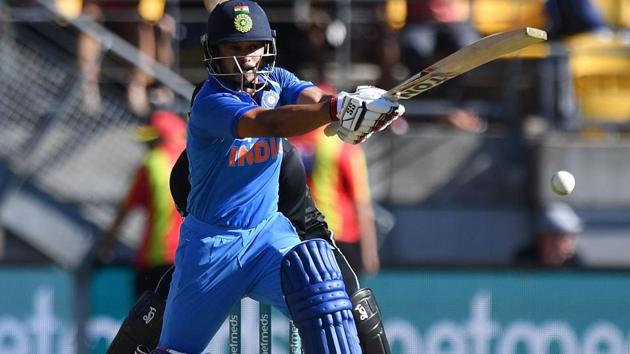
pixel 393 96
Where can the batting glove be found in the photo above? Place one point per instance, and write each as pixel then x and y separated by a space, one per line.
pixel 364 112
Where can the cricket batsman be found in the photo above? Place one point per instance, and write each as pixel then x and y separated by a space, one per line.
pixel 295 203
pixel 234 242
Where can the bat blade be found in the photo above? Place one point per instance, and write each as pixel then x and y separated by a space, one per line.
pixel 470 57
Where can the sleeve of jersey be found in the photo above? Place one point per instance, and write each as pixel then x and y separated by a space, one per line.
pixel 291 85
pixel 217 115
pixel 353 167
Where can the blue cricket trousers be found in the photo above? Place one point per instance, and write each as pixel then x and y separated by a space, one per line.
pixel 214 268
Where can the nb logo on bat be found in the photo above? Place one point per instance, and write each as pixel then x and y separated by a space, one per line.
pixel 149 316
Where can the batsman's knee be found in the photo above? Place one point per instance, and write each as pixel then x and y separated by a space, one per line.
pixel 317 300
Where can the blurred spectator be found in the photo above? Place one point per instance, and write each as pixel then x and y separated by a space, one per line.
pixel 337 175
pixel 391 18
pixel 493 16
pixel 318 44
pixel 571 17
pixel 149 28
pixel 166 137
pixel 435 29
pixel 558 228
pixel 582 29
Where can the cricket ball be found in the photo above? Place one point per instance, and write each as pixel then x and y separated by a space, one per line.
pixel 562 182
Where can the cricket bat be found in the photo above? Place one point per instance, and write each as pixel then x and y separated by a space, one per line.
pixel 470 57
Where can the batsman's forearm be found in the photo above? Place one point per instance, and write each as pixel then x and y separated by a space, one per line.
pixel 286 121
pixel 368 244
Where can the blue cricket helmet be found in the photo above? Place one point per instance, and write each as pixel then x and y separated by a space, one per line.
pixel 238 21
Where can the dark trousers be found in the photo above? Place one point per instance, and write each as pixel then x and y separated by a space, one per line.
pixel 148 278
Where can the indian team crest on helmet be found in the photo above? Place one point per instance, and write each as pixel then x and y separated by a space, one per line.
pixel 242 21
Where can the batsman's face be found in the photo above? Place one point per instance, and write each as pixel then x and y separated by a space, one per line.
pixel 245 56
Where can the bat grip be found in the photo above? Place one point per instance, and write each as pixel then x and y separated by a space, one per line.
pixel 393 96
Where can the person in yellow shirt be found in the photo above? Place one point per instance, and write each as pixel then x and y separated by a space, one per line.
pixel 338 178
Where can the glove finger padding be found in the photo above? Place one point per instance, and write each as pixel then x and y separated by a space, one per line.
pixel 352 137
pixel 389 118
pixel 371 91
pixel 383 105
pixel 368 127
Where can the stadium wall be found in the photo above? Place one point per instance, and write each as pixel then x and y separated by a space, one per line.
pixel 426 312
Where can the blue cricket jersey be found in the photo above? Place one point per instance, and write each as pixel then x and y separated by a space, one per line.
pixel 234 182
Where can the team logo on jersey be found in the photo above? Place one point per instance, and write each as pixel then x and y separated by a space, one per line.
pixel 244 153
pixel 242 21
pixel 269 99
